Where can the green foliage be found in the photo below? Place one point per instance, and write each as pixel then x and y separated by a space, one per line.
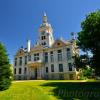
pixel 86 72
pixel 81 61
pixel 82 77
pixel 89 37
pixel 5 71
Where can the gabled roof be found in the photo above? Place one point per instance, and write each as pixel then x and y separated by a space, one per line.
pixel 57 43
pixel 20 52
pixel 60 43
pixel 36 48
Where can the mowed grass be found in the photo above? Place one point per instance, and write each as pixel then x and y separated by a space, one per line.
pixel 26 90
pixel 52 90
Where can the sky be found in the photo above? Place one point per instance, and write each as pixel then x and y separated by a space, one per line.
pixel 20 20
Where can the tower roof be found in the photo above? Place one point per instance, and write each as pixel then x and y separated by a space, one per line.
pixel 45 26
pixel 44 14
pixel 44 18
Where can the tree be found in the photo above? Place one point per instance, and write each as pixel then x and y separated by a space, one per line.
pixel 86 72
pixel 81 61
pixel 5 69
pixel 89 38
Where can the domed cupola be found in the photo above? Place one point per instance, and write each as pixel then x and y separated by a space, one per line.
pixel 45 27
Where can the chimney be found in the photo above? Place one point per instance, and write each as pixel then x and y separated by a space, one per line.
pixel 28 45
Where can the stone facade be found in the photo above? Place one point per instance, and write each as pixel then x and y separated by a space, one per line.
pixel 48 59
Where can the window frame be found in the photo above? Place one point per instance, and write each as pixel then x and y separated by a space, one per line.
pixel 46 69
pixel 15 63
pixel 29 57
pixel 59 55
pixel 51 56
pixel 46 57
pixel 61 69
pixel 36 57
pixel 14 70
pixel 20 70
pixel 52 68
pixel 25 60
pixel 70 66
pixel 68 53
pixel 20 61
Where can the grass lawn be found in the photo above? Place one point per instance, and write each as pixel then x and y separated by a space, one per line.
pixel 52 90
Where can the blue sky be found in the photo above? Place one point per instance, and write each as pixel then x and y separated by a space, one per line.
pixel 20 19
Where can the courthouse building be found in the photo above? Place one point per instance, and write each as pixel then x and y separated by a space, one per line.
pixel 48 58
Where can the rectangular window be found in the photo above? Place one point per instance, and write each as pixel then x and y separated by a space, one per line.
pixel 44 43
pixel 20 61
pixel 52 67
pixel 43 37
pixel 36 57
pixel 15 61
pixel 59 51
pixel 20 70
pixel 60 67
pixel 29 57
pixel 46 69
pixel 70 66
pixel 51 56
pixel 15 71
pixel 46 57
pixel 25 60
pixel 25 70
pixel 51 52
pixel 68 54
pixel 59 55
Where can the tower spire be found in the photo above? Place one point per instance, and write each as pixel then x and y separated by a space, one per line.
pixel 44 18
pixel 44 14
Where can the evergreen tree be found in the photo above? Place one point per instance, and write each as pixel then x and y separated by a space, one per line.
pixel 5 71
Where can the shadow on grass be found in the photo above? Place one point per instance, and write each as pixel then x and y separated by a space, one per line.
pixel 75 90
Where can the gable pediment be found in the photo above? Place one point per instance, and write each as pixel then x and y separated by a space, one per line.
pixel 37 48
pixel 20 52
pixel 59 43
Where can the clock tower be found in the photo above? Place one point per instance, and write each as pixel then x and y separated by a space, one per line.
pixel 45 33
